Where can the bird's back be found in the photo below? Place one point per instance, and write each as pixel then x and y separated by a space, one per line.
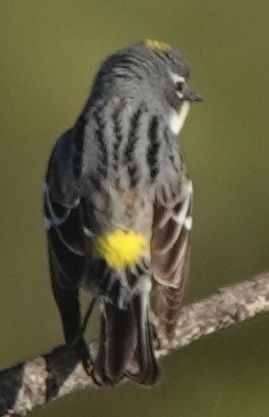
pixel 127 157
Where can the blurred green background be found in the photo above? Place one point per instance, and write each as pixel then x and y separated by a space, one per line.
pixel 49 52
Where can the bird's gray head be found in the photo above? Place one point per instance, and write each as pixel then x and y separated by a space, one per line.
pixel 151 72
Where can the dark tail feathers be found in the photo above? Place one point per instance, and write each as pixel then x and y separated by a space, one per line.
pixel 125 336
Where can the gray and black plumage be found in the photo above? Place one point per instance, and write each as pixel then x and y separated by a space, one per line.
pixel 117 203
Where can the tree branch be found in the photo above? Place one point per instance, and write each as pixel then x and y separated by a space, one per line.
pixel 33 383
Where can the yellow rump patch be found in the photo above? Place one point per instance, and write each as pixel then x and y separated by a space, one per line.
pixel 157 46
pixel 122 248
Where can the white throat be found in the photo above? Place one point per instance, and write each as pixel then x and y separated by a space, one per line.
pixel 177 120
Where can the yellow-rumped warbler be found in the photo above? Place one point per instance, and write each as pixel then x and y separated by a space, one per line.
pixel 117 202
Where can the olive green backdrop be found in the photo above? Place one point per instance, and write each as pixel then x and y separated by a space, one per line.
pixel 49 51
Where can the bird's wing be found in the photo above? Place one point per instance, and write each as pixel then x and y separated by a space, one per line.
pixel 63 206
pixel 170 250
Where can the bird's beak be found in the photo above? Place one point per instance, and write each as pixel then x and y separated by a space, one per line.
pixel 190 95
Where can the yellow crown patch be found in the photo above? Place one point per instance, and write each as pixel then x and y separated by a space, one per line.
pixel 122 248
pixel 157 46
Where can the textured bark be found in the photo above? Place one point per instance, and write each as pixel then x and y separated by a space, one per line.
pixel 33 383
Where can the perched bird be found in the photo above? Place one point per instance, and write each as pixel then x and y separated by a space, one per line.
pixel 117 202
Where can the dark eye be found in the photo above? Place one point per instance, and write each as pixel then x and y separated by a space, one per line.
pixel 179 86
